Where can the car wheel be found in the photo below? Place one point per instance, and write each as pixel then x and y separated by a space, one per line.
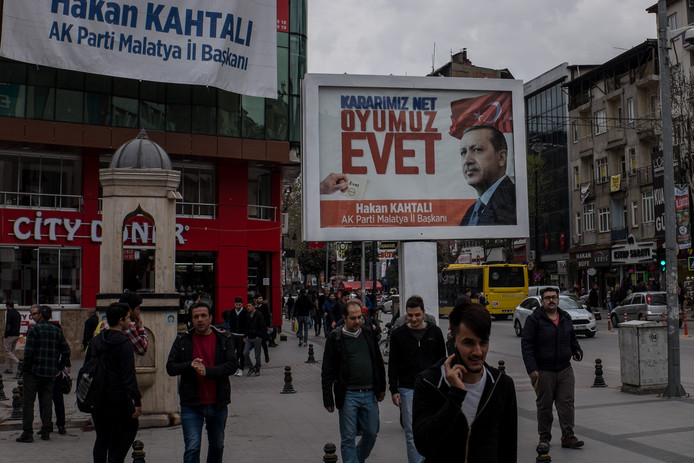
pixel 590 334
pixel 615 320
pixel 517 328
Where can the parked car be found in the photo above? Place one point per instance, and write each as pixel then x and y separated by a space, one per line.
pixel 647 306
pixel 583 320
pixel 390 302
pixel 583 301
pixel 535 290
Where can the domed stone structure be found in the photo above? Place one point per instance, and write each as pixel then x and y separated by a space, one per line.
pixel 141 153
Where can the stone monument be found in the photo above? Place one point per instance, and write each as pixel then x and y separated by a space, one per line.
pixel 141 183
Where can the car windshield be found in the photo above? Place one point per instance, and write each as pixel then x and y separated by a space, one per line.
pixel 569 303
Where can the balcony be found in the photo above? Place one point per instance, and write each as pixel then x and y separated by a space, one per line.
pixel 620 233
pixel 585 146
pixel 615 138
pixel 258 212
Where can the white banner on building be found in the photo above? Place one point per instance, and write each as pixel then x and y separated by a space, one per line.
pixel 228 44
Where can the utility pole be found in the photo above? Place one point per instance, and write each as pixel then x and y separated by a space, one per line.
pixel 674 387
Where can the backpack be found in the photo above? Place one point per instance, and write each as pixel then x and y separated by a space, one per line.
pixel 91 383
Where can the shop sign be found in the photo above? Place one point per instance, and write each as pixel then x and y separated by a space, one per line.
pixel 583 260
pixel 632 252
pixel 601 258
pixel 53 228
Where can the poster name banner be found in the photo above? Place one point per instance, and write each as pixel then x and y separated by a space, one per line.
pixel 228 44
pixel 684 237
pixel 413 157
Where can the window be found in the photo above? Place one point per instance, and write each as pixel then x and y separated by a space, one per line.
pixel 577 177
pixel 600 122
pixel 623 165
pixel 40 181
pixel 198 190
pixel 260 195
pixel 632 160
pixel 631 111
pixel 48 275
pixel 574 130
pixel 589 217
pixel 672 21
pixel 634 214
pixel 604 219
pixel 601 166
pixel 654 104
pixel 579 230
pixel 648 206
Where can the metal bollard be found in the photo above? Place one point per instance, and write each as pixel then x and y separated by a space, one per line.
pixel 329 450
pixel 20 368
pixel 599 380
pixel 543 453
pixel 16 405
pixel 311 358
pixel 2 390
pixel 288 387
pixel 502 367
pixel 20 385
pixel 138 452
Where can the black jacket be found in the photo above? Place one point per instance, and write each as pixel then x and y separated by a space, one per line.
pixel 12 323
pixel 237 323
pixel 267 314
pixel 303 306
pixel 548 347
pixel 121 384
pixel 409 357
pixel 256 326
pixel 335 369
pixel 90 325
pixel 181 356
pixel 501 208
pixel 442 432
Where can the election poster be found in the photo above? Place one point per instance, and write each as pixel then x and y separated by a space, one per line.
pixel 228 44
pixel 407 158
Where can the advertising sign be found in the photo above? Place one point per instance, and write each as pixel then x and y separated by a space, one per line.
pixel 684 236
pixel 658 193
pixel 228 44
pixel 413 158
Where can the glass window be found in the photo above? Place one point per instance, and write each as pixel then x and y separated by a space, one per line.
pixel 9 168
pixel 204 110
pixel 153 105
pixel 631 111
pixel 634 214
pixel 603 172
pixel 229 118
pixel 69 105
pixel 577 178
pixel 252 117
pixel 260 194
pixel 579 230
pixel 600 122
pixel 604 219
pixel 648 206
pixel 31 275
pixel 589 217
pixel 297 62
pixel 178 108
pixel 198 190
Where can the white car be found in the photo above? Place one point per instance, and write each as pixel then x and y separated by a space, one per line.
pixel 584 321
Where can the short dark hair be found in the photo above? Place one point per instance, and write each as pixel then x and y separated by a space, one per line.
pixel 45 312
pixel 131 298
pixel 497 138
pixel 238 299
pixel 414 301
pixel 198 305
pixel 9 304
pixel 547 290
pixel 474 316
pixel 251 301
pixel 115 312
pixel 351 302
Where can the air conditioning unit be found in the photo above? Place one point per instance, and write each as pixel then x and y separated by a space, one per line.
pixel 531 256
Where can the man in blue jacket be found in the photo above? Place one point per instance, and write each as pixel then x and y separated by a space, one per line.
pixel 548 345
pixel 204 358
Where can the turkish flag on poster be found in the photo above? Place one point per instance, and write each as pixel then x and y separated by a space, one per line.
pixel 316 244
pixel 562 242
pixel 490 109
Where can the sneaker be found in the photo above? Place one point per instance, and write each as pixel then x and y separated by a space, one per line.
pixel 249 372
pixel 255 373
pixel 239 372
pixel 570 442
pixel 25 437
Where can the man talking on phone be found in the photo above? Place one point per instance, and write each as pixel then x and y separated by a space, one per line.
pixel 548 345
pixel 461 405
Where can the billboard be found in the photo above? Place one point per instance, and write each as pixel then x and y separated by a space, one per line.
pixel 228 44
pixel 413 158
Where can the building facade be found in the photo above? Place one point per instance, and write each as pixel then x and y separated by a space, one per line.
pixel 59 127
pixel 614 133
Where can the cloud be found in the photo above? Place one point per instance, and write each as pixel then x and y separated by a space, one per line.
pixel 529 37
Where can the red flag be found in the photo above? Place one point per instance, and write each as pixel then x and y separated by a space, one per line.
pixel 489 109
pixel 316 244
pixel 562 242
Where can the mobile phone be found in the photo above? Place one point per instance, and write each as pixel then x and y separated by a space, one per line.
pixel 458 360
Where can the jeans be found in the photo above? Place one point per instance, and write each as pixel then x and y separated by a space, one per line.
pixel 237 342
pixel 558 388
pixel 302 332
pixel 252 343
pixel 406 396
pixel 115 432
pixel 317 322
pixel 363 407
pixel 44 387
pixel 192 419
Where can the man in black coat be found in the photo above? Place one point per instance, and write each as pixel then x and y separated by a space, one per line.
pixel 462 406
pixel 548 344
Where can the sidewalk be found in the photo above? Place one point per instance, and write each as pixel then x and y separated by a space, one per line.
pixel 265 425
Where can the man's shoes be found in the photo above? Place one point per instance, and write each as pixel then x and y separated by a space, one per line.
pixel 25 437
pixel 570 442
pixel 45 436
pixel 299 342
pixel 255 373
pixel 273 344
pixel 249 372
pixel 239 372
pixel 267 359
pixel 61 430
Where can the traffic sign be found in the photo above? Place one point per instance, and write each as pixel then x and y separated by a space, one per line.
pixel 537 276
pixel 690 262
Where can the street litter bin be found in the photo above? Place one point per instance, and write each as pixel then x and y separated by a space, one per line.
pixel 643 357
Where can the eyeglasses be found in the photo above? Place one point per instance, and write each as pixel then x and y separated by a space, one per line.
pixel 550 298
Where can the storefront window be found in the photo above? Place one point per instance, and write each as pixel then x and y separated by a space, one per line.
pixel 38 275
pixel 195 275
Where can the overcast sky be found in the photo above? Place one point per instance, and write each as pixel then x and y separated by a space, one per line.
pixel 528 37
